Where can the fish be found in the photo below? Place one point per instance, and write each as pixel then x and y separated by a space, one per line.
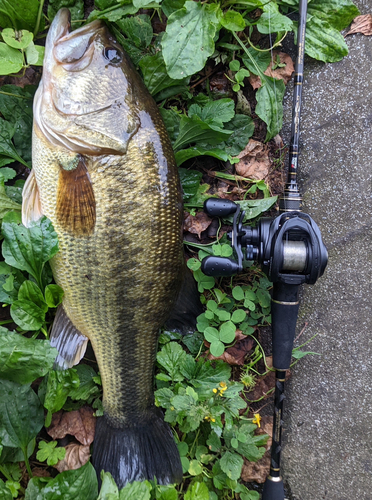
pixel 104 173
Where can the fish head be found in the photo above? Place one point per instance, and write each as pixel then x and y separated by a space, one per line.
pixel 86 101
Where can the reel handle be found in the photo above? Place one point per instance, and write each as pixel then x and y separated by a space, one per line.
pixel 217 207
pixel 219 266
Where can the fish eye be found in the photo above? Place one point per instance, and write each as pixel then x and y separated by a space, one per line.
pixel 112 55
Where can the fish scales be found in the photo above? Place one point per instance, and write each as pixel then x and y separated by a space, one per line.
pixel 114 199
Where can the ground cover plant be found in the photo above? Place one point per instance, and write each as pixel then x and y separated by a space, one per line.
pixel 218 73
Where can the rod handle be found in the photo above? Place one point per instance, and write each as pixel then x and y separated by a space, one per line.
pixel 284 312
pixel 273 489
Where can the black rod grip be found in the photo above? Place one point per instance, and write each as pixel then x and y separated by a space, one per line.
pixel 284 312
pixel 273 489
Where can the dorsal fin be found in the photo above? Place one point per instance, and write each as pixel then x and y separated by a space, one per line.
pixel 31 205
pixel 76 205
pixel 69 342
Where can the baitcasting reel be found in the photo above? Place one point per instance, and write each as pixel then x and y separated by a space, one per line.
pixel 289 247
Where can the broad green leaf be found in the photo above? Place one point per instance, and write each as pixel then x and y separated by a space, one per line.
pixel 30 291
pixel 270 105
pixel 155 76
pixel 170 357
pixel 195 468
pixel 138 29
pixel 87 386
pixel 186 154
pixel 260 62
pixel 18 40
pixel 136 491
pixel 6 146
pixel 238 292
pixel 59 386
pixel 28 249
pixel 217 348
pixel 5 493
pixel 238 316
pixel 32 54
pixel 24 360
pixel 263 297
pixel 27 315
pixel 193 264
pixel 211 334
pixel 233 21
pixel 271 21
pixel 222 315
pixel 145 3
pixel 190 180
pixel 193 131
pixel 109 490
pixel 243 128
pixel 80 484
pixel 253 208
pixel 214 112
pixel 7 173
pixel 19 15
pixel 337 13
pixel 21 414
pixel 170 6
pixel 189 39
pixel 231 464
pixel 6 204
pixel 53 295
pixel 171 121
pixel 76 8
pixel 204 282
pixel 323 42
pixel 15 455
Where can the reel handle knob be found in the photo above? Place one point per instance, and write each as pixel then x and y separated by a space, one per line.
pixel 219 266
pixel 217 207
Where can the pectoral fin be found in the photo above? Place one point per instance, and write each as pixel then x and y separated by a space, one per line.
pixel 69 342
pixel 31 205
pixel 76 205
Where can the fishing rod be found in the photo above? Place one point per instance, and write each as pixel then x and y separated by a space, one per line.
pixel 291 252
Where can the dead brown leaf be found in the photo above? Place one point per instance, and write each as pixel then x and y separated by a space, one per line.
pixel 254 161
pixel 76 456
pixel 40 472
pixel 196 224
pixel 361 24
pixel 79 423
pixel 280 73
pixel 258 471
pixel 236 354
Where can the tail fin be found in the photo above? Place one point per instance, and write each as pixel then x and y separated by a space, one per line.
pixel 137 452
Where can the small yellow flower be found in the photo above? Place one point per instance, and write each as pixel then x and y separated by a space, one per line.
pixel 215 391
pixel 257 419
pixel 172 408
pixel 223 384
pixel 213 419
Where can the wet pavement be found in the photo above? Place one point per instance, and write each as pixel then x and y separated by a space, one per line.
pixel 328 420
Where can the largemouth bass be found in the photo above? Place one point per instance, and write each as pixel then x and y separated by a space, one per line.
pixel 104 173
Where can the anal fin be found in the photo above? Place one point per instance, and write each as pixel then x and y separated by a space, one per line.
pixel 31 204
pixel 69 342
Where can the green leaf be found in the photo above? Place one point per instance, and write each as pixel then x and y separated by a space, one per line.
pixel 189 39
pixel 193 264
pixel 59 386
pixel 136 491
pixel 187 154
pixel 233 21
pixel 53 295
pixel 211 334
pixel 337 13
pixel 243 128
pixel 138 29
pixel 260 62
pixel 217 348
pixel 11 59
pixel 171 357
pixel 204 282
pixel 19 15
pixel 76 8
pixel 214 112
pixel 21 40
pixel 227 332
pixel 16 455
pixel 87 386
pixel 238 316
pixel 5 492
pixel 270 105
pixel 254 208
pixel 238 292
pixel 31 292
pixel 6 204
pixel 23 360
pixel 27 315
pixel 193 131
pixel 21 414
pixel 49 453
pixel 195 468
pixel 297 354
pixel 197 491
pixel 170 6
pixel 190 180
pixel 231 464
pixel 79 484
pixel 323 42
pixel 271 21
pixel 32 55
pixel 155 76
pixel 28 249
pixel 109 490
pixel 7 173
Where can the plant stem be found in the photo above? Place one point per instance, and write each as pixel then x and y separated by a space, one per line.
pixel 15 95
pixel 24 450
pixel 38 17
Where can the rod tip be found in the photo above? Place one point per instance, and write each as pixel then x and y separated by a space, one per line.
pixel 273 489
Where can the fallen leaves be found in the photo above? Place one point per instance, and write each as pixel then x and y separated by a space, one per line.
pixel 196 224
pixel 81 424
pixel 258 471
pixel 361 24
pixel 254 161
pixel 281 68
